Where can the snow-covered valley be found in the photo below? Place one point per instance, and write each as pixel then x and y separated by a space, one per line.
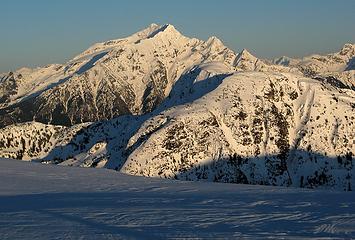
pixel 52 202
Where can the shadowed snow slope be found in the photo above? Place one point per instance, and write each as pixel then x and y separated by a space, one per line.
pixel 50 202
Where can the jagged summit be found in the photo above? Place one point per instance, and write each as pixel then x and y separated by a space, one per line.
pixel 144 33
pixel 348 49
pixel 245 54
pixel 166 29
pixel 245 61
pixel 215 44
pixel 284 61
pixel 215 40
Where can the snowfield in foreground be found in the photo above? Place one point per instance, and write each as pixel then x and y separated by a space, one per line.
pixel 54 202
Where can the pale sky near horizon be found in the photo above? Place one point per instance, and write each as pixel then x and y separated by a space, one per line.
pixel 39 32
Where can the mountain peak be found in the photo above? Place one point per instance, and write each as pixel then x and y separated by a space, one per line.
pixel 166 29
pixel 246 61
pixel 348 49
pixel 284 61
pixel 215 41
pixel 245 54
pixel 153 25
pixel 147 31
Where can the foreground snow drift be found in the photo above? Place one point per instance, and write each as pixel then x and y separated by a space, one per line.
pixel 52 202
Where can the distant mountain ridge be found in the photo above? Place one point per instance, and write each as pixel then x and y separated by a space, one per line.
pixel 337 68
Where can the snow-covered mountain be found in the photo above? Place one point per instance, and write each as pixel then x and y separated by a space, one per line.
pixel 260 128
pixel 131 75
pixel 251 127
pixel 160 104
pixel 336 68
pixel 118 77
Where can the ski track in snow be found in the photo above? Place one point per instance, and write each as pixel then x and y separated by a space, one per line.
pixel 303 111
pixel 55 202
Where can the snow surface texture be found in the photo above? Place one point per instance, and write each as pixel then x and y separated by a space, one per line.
pixel 50 202
pixel 187 109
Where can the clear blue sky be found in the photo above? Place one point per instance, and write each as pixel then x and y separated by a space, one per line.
pixel 37 32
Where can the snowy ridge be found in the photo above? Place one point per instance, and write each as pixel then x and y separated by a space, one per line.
pixel 337 68
pixel 334 62
pixel 111 44
pixel 245 61
pixel 16 86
